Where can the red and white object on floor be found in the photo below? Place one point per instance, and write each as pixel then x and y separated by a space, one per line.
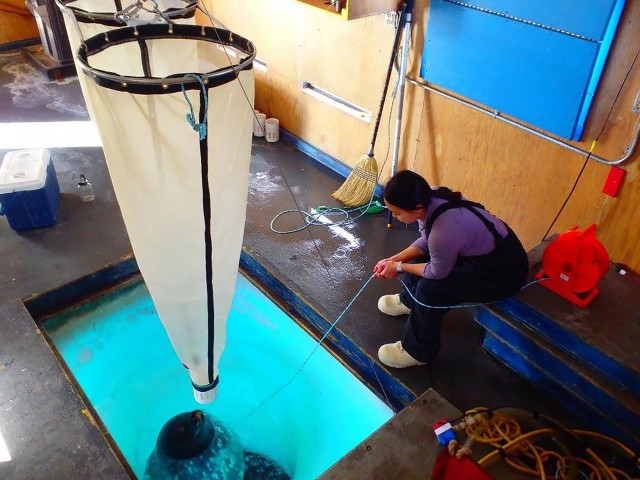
pixel 574 263
pixel 444 431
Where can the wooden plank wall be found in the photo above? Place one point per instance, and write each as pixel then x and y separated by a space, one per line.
pixel 526 179
pixel 16 22
pixel 519 176
pixel 522 178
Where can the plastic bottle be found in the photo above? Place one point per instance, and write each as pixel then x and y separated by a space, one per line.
pixel 86 189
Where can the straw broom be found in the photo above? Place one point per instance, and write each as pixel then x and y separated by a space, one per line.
pixel 359 186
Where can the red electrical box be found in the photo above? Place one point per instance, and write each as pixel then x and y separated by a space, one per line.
pixel 614 181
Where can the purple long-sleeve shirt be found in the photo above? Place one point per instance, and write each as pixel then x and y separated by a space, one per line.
pixel 456 232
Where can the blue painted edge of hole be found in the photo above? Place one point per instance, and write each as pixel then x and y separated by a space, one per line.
pixel 398 394
pixel 369 370
pixel 53 301
pixel 318 155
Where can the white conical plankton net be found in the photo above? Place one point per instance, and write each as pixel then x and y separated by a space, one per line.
pixel 173 105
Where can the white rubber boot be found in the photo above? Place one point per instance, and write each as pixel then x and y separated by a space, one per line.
pixel 393 355
pixel 391 305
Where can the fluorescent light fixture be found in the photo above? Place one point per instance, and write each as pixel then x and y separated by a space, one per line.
pixel 335 101
pixel 49 135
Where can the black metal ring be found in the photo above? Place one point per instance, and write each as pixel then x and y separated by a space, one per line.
pixel 173 83
pixel 108 18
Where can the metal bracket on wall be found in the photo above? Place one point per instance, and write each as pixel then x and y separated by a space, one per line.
pixel 335 4
pixel 629 149
pixel 391 19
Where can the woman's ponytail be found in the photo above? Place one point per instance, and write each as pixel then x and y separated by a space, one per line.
pixel 408 190
pixel 447 194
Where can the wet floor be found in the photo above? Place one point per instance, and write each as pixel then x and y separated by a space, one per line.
pixel 41 420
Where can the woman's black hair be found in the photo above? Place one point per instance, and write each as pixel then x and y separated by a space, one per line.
pixel 408 190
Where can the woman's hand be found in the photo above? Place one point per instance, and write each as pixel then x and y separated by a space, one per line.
pixel 379 267
pixel 386 269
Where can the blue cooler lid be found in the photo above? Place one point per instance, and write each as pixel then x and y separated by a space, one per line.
pixel 23 170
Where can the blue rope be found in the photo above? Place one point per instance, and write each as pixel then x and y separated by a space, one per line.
pixel 261 404
pixel 326 334
pixel 462 305
pixel 201 128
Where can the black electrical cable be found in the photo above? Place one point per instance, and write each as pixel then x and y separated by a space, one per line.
pixel 626 273
pixel 604 124
pixel 566 200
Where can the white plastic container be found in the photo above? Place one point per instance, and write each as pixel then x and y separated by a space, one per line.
pixel 272 130
pixel 29 190
pixel 258 124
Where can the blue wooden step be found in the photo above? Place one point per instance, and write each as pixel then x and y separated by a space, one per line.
pixel 605 335
pixel 603 404
pixel 574 342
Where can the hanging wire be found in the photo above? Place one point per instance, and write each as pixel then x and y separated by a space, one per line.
pixel 311 218
pixel 593 145
pixel 325 264
pixel 204 9
pixel 302 365
pixel 318 217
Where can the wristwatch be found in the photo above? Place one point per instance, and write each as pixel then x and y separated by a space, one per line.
pixel 399 267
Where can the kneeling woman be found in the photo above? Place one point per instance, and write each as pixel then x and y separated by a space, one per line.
pixel 464 254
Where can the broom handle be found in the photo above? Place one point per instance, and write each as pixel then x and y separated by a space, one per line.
pixel 406 28
pixel 399 29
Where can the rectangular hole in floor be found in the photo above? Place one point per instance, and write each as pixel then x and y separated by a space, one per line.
pixel 119 354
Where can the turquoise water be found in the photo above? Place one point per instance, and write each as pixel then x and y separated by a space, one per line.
pixel 120 355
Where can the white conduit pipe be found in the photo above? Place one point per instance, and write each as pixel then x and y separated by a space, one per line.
pixel 629 150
